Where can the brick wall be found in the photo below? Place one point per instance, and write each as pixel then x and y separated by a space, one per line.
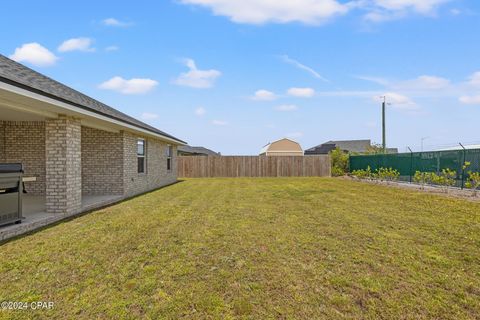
pixel 63 165
pixel 102 162
pixel 156 174
pixel 24 142
pixel 2 141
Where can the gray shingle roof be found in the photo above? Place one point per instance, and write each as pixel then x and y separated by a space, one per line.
pixel 346 145
pixel 197 150
pixel 19 75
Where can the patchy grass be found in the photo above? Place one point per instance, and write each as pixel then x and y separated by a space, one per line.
pixel 255 249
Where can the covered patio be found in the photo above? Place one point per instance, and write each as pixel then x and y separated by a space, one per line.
pixel 35 214
pixel 68 166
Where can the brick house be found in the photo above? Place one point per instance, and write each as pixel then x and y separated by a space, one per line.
pixel 77 152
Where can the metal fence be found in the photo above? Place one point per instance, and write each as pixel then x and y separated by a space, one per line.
pixel 408 163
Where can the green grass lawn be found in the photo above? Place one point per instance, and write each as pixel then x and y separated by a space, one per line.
pixel 294 248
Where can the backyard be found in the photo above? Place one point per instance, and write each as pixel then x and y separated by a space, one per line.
pixel 258 248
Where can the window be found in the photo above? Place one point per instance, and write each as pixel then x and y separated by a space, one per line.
pixel 141 155
pixel 169 157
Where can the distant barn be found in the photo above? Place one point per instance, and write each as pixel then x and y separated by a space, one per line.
pixel 282 147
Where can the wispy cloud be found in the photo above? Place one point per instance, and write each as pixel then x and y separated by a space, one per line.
pixel 301 66
pixel 200 111
pixel 286 107
pixel 34 53
pixel 131 86
pixel 397 101
pixel 77 44
pixel 112 22
pixel 195 78
pixel 112 48
pixel 264 95
pixel 219 122
pixel 301 92
pixel 312 12
pixel 474 100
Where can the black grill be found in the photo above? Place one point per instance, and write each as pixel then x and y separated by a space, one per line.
pixel 11 190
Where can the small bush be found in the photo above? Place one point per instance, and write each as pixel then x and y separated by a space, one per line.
pixel 363 174
pixel 387 174
pixel 339 162
pixel 473 182
pixel 445 179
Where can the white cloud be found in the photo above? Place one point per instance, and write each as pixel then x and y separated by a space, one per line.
pixel 286 107
pixel 455 12
pixel 474 79
pixel 301 66
pixel 312 12
pixel 200 111
pixel 132 86
pixel 420 6
pixel 425 83
pixel 301 92
pixel 111 48
pixel 76 44
pixel 264 95
pixel 149 116
pixel 112 22
pixel 35 54
pixel 219 122
pixel 470 100
pixel 397 101
pixel 195 78
pixel 385 10
pixel 294 135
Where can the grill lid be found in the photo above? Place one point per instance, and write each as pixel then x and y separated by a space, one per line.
pixel 10 167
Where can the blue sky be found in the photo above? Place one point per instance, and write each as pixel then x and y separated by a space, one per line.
pixel 233 75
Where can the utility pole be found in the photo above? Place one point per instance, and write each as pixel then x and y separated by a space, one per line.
pixel 384 139
pixel 384 133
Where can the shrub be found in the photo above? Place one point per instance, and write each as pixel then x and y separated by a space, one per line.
pixel 473 182
pixel 421 178
pixel 387 174
pixel 363 174
pixel 339 162
pixel 446 179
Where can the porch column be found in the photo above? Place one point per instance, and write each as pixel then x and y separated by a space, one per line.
pixel 63 165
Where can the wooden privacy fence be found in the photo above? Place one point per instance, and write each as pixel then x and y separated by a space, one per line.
pixel 253 166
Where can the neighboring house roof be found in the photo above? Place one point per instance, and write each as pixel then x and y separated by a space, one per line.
pixel 18 75
pixel 282 145
pixel 358 146
pixel 197 151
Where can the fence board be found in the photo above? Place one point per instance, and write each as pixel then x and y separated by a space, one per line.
pixel 253 166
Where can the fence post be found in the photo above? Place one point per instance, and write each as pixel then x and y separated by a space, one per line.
pixel 463 165
pixel 411 163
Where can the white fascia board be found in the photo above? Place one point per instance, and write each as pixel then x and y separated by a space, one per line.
pixel 75 109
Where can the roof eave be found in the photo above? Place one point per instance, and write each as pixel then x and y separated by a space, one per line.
pixel 18 88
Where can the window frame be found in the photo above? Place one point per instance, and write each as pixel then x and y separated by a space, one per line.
pixel 169 157
pixel 142 156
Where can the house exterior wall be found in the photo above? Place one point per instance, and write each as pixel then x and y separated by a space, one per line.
pixel 156 174
pixel 102 162
pixel 2 141
pixel 277 153
pixel 24 142
pixel 69 160
pixel 63 165
pixel 284 147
